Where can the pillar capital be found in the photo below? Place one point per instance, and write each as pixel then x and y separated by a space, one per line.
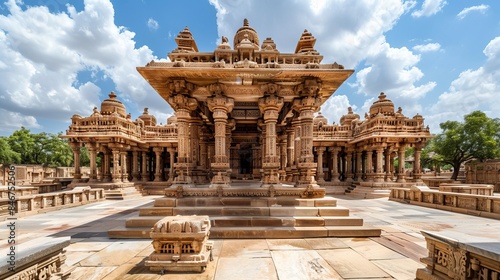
pixel 181 102
pixel 219 102
pixel 271 103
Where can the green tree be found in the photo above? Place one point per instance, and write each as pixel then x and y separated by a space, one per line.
pixel 478 137
pixel 7 155
pixel 58 151
pixel 22 142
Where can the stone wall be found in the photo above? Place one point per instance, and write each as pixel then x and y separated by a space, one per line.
pixel 33 204
pixel 472 204
pixel 487 172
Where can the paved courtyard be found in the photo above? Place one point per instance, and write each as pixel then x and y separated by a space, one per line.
pixel 393 255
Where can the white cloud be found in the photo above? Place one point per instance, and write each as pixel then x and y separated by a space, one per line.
pixel 481 8
pixel 43 53
pixel 393 71
pixel 153 24
pixel 429 8
pixel 10 121
pixel 431 47
pixel 335 107
pixel 472 90
pixel 345 39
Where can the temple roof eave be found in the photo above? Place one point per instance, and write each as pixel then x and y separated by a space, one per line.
pixel 158 77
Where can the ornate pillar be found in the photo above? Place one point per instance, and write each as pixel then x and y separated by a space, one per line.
pixel 335 163
pixel 388 164
pixel 183 105
pixel 115 176
pixel 93 165
pixel 76 161
pixel 348 159
pixel 369 166
pixel 401 161
pixel 106 166
pixel 123 161
pixel 283 156
pixel 379 176
pixel 135 166
pixel 359 165
pixel 220 106
pixel 144 168
pixel 417 170
pixel 171 154
pixel 306 105
pixel 270 107
pixel 158 151
pixel 320 175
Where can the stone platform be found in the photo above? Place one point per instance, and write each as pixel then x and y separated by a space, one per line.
pixel 253 217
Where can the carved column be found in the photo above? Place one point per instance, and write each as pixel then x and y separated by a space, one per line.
pixel 388 164
pixel 135 166
pixel 183 105
pixel 379 176
pixel 93 164
pixel 144 168
pixel 306 106
pixel 123 165
pixel 417 171
pixel 76 161
pixel 401 168
pixel 106 166
pixel 158 151
pixel 220 106
pixel 171 154
pixel 359 165
pixel 320 175
pixel 335 163
pixel 115 176
pixel 369 166
pixel 270 107
pixel 348 159
pixel 283 156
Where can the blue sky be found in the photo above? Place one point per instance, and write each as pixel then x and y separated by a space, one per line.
pixel 440 59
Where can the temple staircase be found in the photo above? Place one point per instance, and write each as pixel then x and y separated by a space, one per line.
pixel 251 217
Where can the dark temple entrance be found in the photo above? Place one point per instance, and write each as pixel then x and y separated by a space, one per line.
pixel 246 160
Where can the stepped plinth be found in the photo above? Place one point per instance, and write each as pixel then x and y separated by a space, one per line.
pixel 240 212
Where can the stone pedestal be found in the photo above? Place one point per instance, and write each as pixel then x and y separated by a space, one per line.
pixel 180 244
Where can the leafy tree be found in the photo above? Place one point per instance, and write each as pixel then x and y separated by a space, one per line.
pixel 22 142
pixel 7 155
pixel 478 137
pixel 58 151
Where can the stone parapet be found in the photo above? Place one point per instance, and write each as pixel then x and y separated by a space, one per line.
pixel 37 259
pixel 478 205
pixel 33 204
pixel 270 191
pixel 453 259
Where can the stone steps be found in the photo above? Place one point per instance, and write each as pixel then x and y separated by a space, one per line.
pixel 262 232
pixel 247 217
pixel 245 211
pixel 122 193
pixel 249 221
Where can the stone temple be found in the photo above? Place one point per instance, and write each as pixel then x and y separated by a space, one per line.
pixel 247 123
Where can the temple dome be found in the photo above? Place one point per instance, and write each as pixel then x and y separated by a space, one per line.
pixel 251 36
pixel 320 119
pixel 149 120
pixel 349 117
pixel 172 119
pixel 111 105
pixel 383 106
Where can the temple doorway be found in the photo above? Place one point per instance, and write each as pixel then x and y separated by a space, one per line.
pixel 246 160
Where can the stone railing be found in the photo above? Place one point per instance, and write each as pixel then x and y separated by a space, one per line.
pixel 33 204
pixel 307 192
pixel 104 125
pixel 452 259
pixel 481 189
pixel 160 133
pixel 41 258
pixel 436 182
pixel 472 204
